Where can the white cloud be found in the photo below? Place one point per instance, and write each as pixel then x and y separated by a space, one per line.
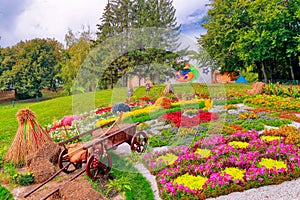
pixel 184 8
pixel 52 18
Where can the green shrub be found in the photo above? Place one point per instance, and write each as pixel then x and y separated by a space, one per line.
pixel 5 194
pixel 23 179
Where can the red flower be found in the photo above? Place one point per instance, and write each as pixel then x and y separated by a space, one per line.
pixel 67 120
pixel 102 110
pixel 188 122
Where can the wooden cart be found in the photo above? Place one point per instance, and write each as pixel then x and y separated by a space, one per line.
pixel 98 161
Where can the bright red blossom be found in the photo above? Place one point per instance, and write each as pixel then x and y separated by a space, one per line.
pixel 187 122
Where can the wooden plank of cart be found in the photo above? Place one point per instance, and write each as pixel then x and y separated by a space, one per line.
pixel 98 161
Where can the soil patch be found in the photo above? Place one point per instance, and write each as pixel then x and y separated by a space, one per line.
pixel 79 189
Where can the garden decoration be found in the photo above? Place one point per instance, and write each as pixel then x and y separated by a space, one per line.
pixel 129 91
pixel 29 138
pixel 148 85
pixel 169 88
pixel 187 74
pixel 257 88
pixel 120 107
pixel 95 152
pixel 163 102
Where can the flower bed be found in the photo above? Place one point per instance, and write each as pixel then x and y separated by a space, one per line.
pixel 236 162
pixel 158 160
pixel 257 121
pixel 290 133
pixel 179 120
pixel 178 136
pixel 274 102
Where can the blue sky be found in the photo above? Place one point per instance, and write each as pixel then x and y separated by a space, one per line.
pixel 28 19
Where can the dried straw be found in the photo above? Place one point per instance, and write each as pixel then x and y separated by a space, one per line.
pixel 29 138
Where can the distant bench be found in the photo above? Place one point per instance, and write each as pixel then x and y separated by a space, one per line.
pixel 7 95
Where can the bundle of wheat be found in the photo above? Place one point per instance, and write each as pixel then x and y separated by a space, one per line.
pixel 29 138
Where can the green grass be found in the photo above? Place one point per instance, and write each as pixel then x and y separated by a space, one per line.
pixel 140 187
pixel 123 169
pixel 5 194
pixel 45 112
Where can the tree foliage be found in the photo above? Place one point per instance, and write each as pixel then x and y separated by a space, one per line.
pixel 78 47
pixel 260 33
pixel 137 56
pixel 30 66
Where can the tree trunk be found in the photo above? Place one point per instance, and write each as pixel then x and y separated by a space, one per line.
pixel 292 71
pixel 264 71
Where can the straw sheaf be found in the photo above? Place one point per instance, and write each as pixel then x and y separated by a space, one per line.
pixel 25 115
pixel 29 138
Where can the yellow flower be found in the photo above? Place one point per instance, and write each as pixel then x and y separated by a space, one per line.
pixel 192 182
pixel 205 153
pixel 237 145
pixel 270 163
pixel 105 121
pixel 208 104
pixel 169 158
pixel 236 173
pixel 143 111
pixel 270 138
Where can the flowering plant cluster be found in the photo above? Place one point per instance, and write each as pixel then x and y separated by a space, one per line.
pixel 23 179
pixel 255 120
pixel 204 104
pixel 274 102
pixel 290 133
pixel 103 110
pixel 230 128
pixel 156 161
pixel 290 115
pixel 236 162
pixel 235 94
pixel 81 124
pixel 179 120
pixel 231 107
pixel 278 90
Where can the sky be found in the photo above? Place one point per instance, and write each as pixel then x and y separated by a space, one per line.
pixel 28 19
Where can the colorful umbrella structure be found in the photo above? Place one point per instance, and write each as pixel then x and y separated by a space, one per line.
pixel 29 138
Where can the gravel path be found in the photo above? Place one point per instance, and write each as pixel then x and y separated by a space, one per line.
pixel 289 190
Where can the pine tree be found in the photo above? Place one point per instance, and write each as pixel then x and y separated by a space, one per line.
pixel 146 28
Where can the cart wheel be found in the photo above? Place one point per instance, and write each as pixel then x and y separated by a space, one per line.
pixel 96 167
pixel 63 161
pixel 139 142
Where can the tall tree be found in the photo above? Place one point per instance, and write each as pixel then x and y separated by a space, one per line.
pixel 78 47
pixel 258 33
pixel 34 69
pixel 121 17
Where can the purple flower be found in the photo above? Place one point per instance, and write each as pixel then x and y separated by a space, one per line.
pixel 205 70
